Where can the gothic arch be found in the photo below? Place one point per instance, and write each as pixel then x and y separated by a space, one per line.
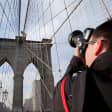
pixel 36 63
pixel 7 81
pixel 5 59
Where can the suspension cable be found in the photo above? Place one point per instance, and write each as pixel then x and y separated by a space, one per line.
pixel 106 9
pixel 26 16
pixel 67 16
pixel 32 53
pixel 66 19
pixel 43 13
pixel 46 9
pixel 19 17
pixel 46 48
pixel 61 11
pixel 55 39
pixel 45 86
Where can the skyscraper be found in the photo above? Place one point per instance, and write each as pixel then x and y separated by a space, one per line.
pixel 36 95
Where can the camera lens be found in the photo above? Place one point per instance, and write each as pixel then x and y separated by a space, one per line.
pixel 75 37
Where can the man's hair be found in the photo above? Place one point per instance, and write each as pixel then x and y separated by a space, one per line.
pixel 104 30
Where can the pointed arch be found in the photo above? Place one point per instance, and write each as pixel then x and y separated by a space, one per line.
pixel 37 64
pixel 5 59
pixel 30 75
pixel 6 79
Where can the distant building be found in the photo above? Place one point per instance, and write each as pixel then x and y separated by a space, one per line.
pixel 28 105
pixel 36 95
pixel 34 104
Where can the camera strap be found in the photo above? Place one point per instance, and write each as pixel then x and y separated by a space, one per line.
pixel 63 95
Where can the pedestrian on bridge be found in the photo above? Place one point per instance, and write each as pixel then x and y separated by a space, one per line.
pixel 87 83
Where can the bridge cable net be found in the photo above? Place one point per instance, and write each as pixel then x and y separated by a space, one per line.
pixel 9 20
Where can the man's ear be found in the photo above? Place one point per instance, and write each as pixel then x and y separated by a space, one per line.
pixel 99 47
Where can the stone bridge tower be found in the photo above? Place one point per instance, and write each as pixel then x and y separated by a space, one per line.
pixel 19 53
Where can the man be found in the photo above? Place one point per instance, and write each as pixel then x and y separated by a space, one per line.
pixel 87 83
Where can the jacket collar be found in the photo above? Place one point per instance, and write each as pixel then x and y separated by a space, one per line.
pixel 103 63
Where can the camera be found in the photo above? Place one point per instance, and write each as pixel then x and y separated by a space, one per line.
pixel 80 39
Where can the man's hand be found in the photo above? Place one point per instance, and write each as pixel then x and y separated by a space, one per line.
pixel 78 54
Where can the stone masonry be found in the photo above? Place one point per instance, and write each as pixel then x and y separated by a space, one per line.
pixel 17 53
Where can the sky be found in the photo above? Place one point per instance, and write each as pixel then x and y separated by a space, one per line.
pixel 89 14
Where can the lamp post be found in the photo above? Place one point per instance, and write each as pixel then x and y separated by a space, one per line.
pixel 4 95
pixel 0 86
pixel 0 89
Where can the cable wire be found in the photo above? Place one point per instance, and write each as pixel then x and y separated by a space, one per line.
pixel 106 9
pixel 6 16
pixel 66 19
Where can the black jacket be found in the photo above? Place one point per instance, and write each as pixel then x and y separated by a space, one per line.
pixel 88 91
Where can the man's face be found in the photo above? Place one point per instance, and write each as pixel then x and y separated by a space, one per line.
pixel 90 53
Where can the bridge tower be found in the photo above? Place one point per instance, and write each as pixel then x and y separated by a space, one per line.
pixel 19 53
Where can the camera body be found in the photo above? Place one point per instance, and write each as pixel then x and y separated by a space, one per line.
pixel 80 39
